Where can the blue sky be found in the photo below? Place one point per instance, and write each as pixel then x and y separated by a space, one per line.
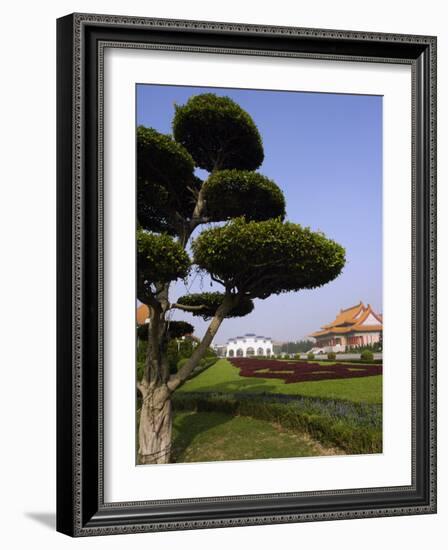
pixel 325 153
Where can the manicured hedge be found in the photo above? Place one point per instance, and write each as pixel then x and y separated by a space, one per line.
pixel 366 355
pixel 353 427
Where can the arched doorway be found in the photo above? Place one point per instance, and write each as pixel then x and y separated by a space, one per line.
pixel 239 352
pixel 231 353
pixel 250 352
pixel 260 351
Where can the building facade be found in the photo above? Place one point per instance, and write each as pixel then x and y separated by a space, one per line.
pixel 353 327
pixel 248 346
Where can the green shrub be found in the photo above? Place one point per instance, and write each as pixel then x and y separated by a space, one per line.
pixel 354 427
pixel 181 362
pixel 173 356
pixel 297 356
pixel 310 356
pixel 204 364
pixel 141 350
pixel 207 361
pixel 331 356
pixel 367 356
pixel 210 353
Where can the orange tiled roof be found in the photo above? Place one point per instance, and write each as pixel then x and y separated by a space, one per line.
pixel 346 316
pixel 368 311
pixel 142 314
pixel 351 320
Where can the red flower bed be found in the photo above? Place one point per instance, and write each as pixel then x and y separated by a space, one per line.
pixel 297 371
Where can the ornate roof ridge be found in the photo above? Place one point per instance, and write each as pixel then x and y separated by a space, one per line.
pixel 345 322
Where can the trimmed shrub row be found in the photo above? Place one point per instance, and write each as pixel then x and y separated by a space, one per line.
pixel 353 427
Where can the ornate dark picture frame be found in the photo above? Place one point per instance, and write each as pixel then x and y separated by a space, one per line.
pixel 81 509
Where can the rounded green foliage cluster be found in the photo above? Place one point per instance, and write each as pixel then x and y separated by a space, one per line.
pixel 268 257
pixel 366 356
pixel 218 133
pixel 166 184
pixel 211 301
pixel 331 356
pixel 246 193
pixel 162 160
pixel 160 259
pixel 177 329
pixel 310 356
pixel 153 208
pixel 158 209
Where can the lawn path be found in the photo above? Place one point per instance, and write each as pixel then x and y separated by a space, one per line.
pixel 211 436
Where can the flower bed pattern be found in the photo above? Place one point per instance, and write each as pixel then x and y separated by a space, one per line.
pixel 297 371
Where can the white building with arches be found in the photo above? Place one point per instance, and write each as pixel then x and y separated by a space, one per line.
pixel 249 345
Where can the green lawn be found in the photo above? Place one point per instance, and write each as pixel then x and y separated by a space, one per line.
pixel 210 436
pixel 224 377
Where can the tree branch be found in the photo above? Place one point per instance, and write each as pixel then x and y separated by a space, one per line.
pixel 200 220
pixel 147 297
pixel 213 278
pixel 181 376
pixel 200 205
pixel 188 308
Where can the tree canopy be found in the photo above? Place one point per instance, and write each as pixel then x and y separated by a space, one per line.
pixel 205 305
pixel 160 259
pixel 177 329
pixel 218 133
pixel 255 253
pixel 269 257
pixel 246 193
pixel 163 161
pixel 166 185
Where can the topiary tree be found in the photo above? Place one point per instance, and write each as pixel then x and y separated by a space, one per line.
pixel 253 254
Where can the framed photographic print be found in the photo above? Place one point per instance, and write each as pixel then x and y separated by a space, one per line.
pixel 246 274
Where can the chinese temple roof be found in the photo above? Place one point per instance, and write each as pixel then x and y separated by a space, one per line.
pixel 142 314
pixel 358 318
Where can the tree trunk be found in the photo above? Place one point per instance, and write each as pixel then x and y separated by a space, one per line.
pixel 156 419
pixel 156 387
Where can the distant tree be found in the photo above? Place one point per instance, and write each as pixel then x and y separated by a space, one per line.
pixel 254 254
pixel 301 346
